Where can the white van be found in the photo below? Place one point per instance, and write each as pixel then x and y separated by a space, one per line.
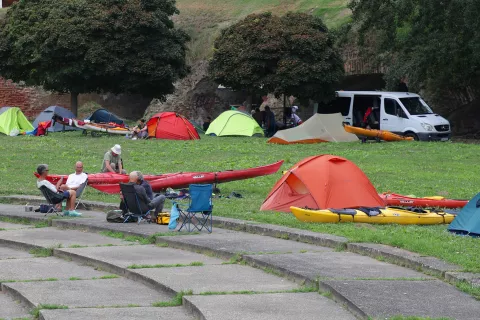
pixel 399 112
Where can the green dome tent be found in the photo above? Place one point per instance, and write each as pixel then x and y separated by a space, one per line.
pixel 13 118
pixel 234 123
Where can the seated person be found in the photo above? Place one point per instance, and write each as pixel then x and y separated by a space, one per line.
pixel 140 131
pixel 295 118
pixel 154 203
pixel 146 185
pixel 69 195
pixel 206 124
pixel 369 120
pixel 76 179
pixel 112 161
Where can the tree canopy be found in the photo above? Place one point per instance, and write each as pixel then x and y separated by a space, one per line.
pixel 434 43
pixel 81 46
pixel 293 54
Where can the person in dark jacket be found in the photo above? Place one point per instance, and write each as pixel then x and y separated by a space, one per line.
pixel 206 124
pixel 270 122
pixel 258 116
pixel 402 86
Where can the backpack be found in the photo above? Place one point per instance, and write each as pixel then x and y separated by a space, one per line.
pixel 115 216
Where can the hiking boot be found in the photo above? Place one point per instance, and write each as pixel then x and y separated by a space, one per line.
pixel 74 213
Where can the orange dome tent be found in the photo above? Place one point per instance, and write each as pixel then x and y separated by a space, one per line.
pixel 323 182
pixel 171 126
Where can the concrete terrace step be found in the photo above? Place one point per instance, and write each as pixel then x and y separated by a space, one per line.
pixel 9 253
pixel 332 265
pixel 230 243
pixel 44 268
pixel 53 237
pixel 278 306
pixel 382 299
pixel 170 313
pixel 10 309
pixel 217 278
pixel 84 293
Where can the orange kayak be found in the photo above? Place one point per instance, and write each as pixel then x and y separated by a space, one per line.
pixel 381 134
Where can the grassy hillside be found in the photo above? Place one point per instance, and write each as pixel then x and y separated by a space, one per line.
pixel 204 18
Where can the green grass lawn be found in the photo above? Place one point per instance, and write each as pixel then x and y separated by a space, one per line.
pixel 417 168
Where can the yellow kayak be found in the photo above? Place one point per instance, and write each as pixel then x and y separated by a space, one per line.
pixel 381 134
pixel 373 215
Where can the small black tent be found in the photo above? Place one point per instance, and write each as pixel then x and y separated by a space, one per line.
pixel 105 116
pixel 47 115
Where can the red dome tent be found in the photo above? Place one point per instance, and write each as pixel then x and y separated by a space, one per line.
pixel 171 126
pixel 323 182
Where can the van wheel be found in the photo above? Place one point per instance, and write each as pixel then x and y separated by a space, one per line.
pixel 412 135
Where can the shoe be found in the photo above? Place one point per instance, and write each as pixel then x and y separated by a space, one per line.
pixel 65 213
pixel 74 213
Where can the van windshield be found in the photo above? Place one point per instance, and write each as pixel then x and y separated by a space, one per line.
pixel 415 106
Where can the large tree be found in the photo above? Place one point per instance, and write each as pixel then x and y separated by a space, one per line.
pixel 293 55
pixel 434 43
pixel 81 46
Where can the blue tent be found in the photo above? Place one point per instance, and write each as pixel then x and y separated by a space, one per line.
pixel 468 220
pixel 104 116
pixel 47 115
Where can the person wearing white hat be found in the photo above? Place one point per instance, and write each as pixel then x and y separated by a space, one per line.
pixel 112 162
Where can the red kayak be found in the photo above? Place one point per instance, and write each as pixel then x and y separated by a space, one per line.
pixel 109 182
pixel 393 199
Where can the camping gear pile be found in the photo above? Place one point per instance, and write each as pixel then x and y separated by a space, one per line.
pixel 331 189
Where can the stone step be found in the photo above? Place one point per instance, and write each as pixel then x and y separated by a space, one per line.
pixel 13 226
pixel 229 243
pixel 124 257
pixel 332 265
pixel 9 253
pixel 278 306
pixel 53 237
pixel 10 309
pixel 170 313
pixel 44 268
pixel 85 293
pixel 380 299
pixel 217 278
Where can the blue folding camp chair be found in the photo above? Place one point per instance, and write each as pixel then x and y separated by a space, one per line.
pixel 136 209
pixel 199 212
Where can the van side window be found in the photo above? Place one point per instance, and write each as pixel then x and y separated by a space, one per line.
pixel 390 106
pixel 393 108
pixel 342 104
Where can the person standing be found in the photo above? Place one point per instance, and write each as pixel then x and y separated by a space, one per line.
pixel 402 86
pixel 270 122
pixel 112 162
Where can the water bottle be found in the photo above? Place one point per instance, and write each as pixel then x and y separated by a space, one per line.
pixel 64 205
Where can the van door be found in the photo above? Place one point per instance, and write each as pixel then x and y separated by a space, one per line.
pixel 393 118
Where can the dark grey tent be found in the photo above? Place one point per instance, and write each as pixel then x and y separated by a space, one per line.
pixel 104 116
pixel 47 115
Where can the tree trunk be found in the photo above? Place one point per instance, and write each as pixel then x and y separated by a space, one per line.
pixel 74 103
